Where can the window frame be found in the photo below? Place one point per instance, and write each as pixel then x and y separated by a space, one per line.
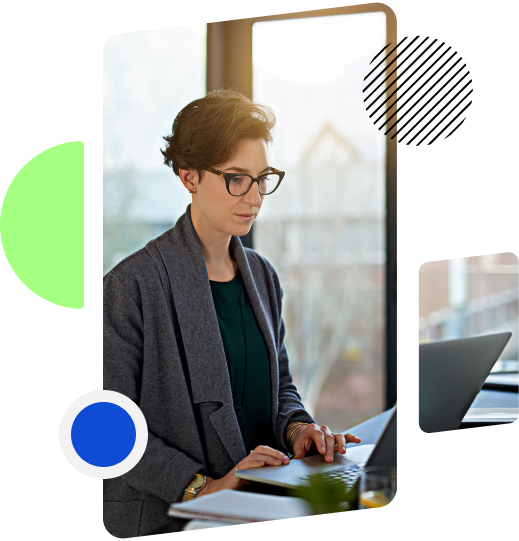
pixel 229 60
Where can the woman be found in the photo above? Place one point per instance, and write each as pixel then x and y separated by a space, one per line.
pixel 193 330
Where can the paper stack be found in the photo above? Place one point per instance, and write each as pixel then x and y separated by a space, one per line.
pixel 238 507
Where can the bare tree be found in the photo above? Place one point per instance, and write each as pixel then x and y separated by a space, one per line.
pixel 119 194
pixel 319 321
pixel 327 301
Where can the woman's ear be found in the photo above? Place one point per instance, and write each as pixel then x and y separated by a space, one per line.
pixel 187 176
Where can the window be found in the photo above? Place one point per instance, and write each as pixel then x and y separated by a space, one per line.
pixel 324 229
pixel 148 78
pixel 469 297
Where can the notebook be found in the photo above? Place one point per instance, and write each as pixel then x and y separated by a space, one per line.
pixel 235 507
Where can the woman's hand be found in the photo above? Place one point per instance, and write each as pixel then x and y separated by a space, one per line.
pixel 311 438
pixel 261 456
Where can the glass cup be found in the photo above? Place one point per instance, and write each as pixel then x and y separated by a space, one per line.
pixel 377 486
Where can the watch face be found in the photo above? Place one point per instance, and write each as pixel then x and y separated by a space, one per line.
pixel 198 481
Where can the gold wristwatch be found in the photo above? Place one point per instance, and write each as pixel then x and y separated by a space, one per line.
pixel 195 486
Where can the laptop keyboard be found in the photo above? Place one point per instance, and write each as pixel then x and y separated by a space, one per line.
pixel 346 476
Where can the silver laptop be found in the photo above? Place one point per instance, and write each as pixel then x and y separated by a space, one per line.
pixel 345 468
pixel 452 372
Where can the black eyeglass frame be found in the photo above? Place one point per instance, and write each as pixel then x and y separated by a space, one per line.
pixel 228 176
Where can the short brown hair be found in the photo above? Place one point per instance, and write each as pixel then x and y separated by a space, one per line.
pixel 206 132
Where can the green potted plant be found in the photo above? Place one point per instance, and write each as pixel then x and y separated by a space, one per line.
pixel 328 497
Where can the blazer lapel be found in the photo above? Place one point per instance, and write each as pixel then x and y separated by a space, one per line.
pixel 184 261
pixel 263 319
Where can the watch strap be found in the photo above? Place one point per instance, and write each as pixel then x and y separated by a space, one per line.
pixel 195 486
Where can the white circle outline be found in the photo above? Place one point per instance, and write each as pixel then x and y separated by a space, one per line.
pixel 141 434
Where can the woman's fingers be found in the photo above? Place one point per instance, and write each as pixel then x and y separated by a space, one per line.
pixel 350 438
pixel 341 443
pixel 330 447
pixel 256 464
pixel 326 442
pixel 329 441
pixel 262 452
pixel 270 460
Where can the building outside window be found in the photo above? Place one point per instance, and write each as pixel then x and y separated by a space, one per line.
pixel 471 296
pixel 324 231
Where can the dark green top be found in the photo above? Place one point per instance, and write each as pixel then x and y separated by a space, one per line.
pixel 247 360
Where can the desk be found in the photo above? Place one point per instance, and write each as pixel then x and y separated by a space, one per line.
pixel 507 381
pixel 368 432
pixel 496 399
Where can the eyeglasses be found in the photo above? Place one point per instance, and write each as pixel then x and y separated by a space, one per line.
pixel 240 183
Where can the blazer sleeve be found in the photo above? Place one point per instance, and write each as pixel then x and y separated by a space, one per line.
pixel 290 405
pixel 163 471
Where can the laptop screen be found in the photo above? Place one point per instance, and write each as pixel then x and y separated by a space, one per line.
pixel 451 375
pixel 384 453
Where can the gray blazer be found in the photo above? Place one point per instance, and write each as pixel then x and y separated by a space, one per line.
pixel 163 349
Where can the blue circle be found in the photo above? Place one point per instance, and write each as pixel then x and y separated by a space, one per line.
pixel 103 434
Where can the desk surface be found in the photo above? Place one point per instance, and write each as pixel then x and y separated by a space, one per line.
pixel 504 381
pixel 496 399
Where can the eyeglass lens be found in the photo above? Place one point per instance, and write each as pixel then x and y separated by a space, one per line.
pixel 239 184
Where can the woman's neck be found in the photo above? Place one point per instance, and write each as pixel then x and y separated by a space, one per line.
pixel 215 248
pixel 220 266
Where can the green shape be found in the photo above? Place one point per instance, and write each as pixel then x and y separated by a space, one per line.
pixel 51 239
